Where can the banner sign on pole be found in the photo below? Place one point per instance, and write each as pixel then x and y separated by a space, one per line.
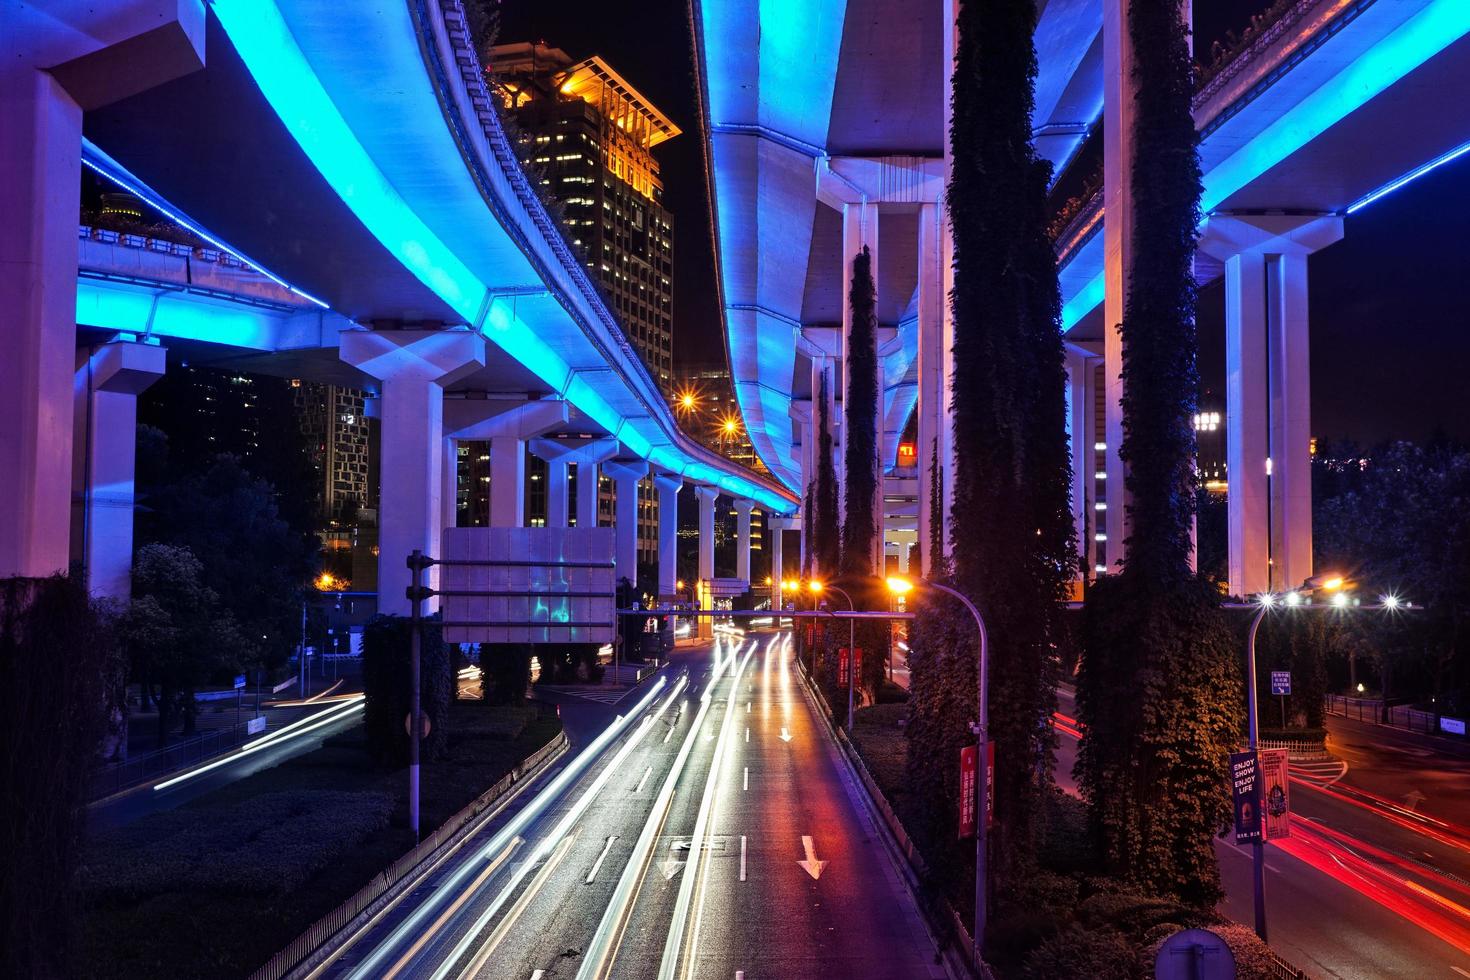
pixel 989 785
pixel 1281 682
pixel 967 791
pixel 1245 795
pixel 1275 782
pixel 842 666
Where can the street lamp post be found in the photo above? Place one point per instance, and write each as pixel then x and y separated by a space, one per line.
pixel 1265 602
pixel 901 586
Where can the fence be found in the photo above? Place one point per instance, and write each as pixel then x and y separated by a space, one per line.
pixel 171 758
pixel 1375 712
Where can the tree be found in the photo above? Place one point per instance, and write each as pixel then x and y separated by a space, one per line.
pixel 1159 685
pixel 860 437
pixel 56 660
pixel 176 633
pixel 1010 524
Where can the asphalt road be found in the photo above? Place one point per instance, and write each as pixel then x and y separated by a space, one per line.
pixel 709 831
pixel 1365 887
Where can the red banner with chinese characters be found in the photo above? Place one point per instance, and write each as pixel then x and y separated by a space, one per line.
pixel 967 791
pixel 1275 784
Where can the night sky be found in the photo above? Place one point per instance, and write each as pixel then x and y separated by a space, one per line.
pixel 1390 335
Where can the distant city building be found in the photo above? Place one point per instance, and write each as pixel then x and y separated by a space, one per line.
pixel 590 135
pixel 338 439
pixel 705 405
pixel 1209 437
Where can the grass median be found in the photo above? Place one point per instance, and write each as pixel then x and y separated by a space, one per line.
pixel 216 887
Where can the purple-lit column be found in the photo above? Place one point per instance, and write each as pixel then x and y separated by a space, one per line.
pixel 932 407
pixel 1081 438
pixel 742 540
pixel 625 475
pixel 55 64
pixel 108 380
pixel 707 497
pixel 414 367
pixel 1268 393
pixel 668 485
pixel 586 454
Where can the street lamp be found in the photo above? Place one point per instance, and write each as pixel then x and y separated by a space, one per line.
pixel 903 586
pixel 1265 602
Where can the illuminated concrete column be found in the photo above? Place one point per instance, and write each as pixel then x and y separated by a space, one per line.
pixel 1081 438
pixel 109 378
pixel 586 454
pixel 801 414
pixel 742 539
pixel 777 532
pixel 1268 393
pixel 507 425
pixel 414 367
pixel 948 52
pixel 668 485
pixel 859 230
pixel 1118 110
pixel 707 497
pixel 625 475
pixel 57 61
pixel 558 497
pixel 931 409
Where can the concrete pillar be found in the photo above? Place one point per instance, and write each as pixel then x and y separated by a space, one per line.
pixel 1118 109
pixel 668 485
pixel 1268 393
pixel 414 366
pixel 625 475
pixel 948 38
pixel 707 497
pixel 931 409
pixel 558 499
pixel 802 414
pixel 777 533
pixel 742 540
pixel 1080 366
pixel 585 454
pixel 507 482
pixel 53 66
pixel 108 380
pixel 449 496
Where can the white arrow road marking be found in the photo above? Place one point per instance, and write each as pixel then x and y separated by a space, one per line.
pixel 742 857
pixel 600 858
pixel 785 735
pixel 747 779
pixel 811 865
pixel 648 772
pixel 538 974
pixel 709 736
pixel 1413 798
pixel 672 865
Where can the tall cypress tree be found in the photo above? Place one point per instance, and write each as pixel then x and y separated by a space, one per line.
pixel 860 436
pixel 1010 523
pixel 826 542
pixel 1159 686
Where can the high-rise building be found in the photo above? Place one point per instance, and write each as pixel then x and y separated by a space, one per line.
pixel 706 408
pixel 335 425
pixel 588 136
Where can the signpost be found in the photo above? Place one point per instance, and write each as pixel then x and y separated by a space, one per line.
pixel 1281 687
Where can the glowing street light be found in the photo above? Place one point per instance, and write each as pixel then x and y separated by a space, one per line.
pixel 901 587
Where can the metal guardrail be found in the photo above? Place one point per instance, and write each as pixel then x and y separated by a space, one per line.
pixel 139 769
pixel 1374 711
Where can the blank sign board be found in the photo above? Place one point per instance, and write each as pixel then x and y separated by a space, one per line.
pixel 527 585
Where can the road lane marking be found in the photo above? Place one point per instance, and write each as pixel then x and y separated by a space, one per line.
pixel 785 735
pixel 811 865
pixel 1459 971
pixel 537 974
pixel 742 857
pixel 503 927
pixel 668 734
pixel 464 896
pixel 746 785
pixel 747 707
pixel 747 734
pixel 672 865
pixel 646 773
pixel 600 858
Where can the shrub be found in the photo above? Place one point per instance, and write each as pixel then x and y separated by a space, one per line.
pixel 386 682
pixel 1066 843
pixel 263 846
pixel 1131 914
pixel 1098 954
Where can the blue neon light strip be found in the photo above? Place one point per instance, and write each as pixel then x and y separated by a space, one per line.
pixel 1413 43
pixel 286 79
pixel 1408 178
pixel 104 166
